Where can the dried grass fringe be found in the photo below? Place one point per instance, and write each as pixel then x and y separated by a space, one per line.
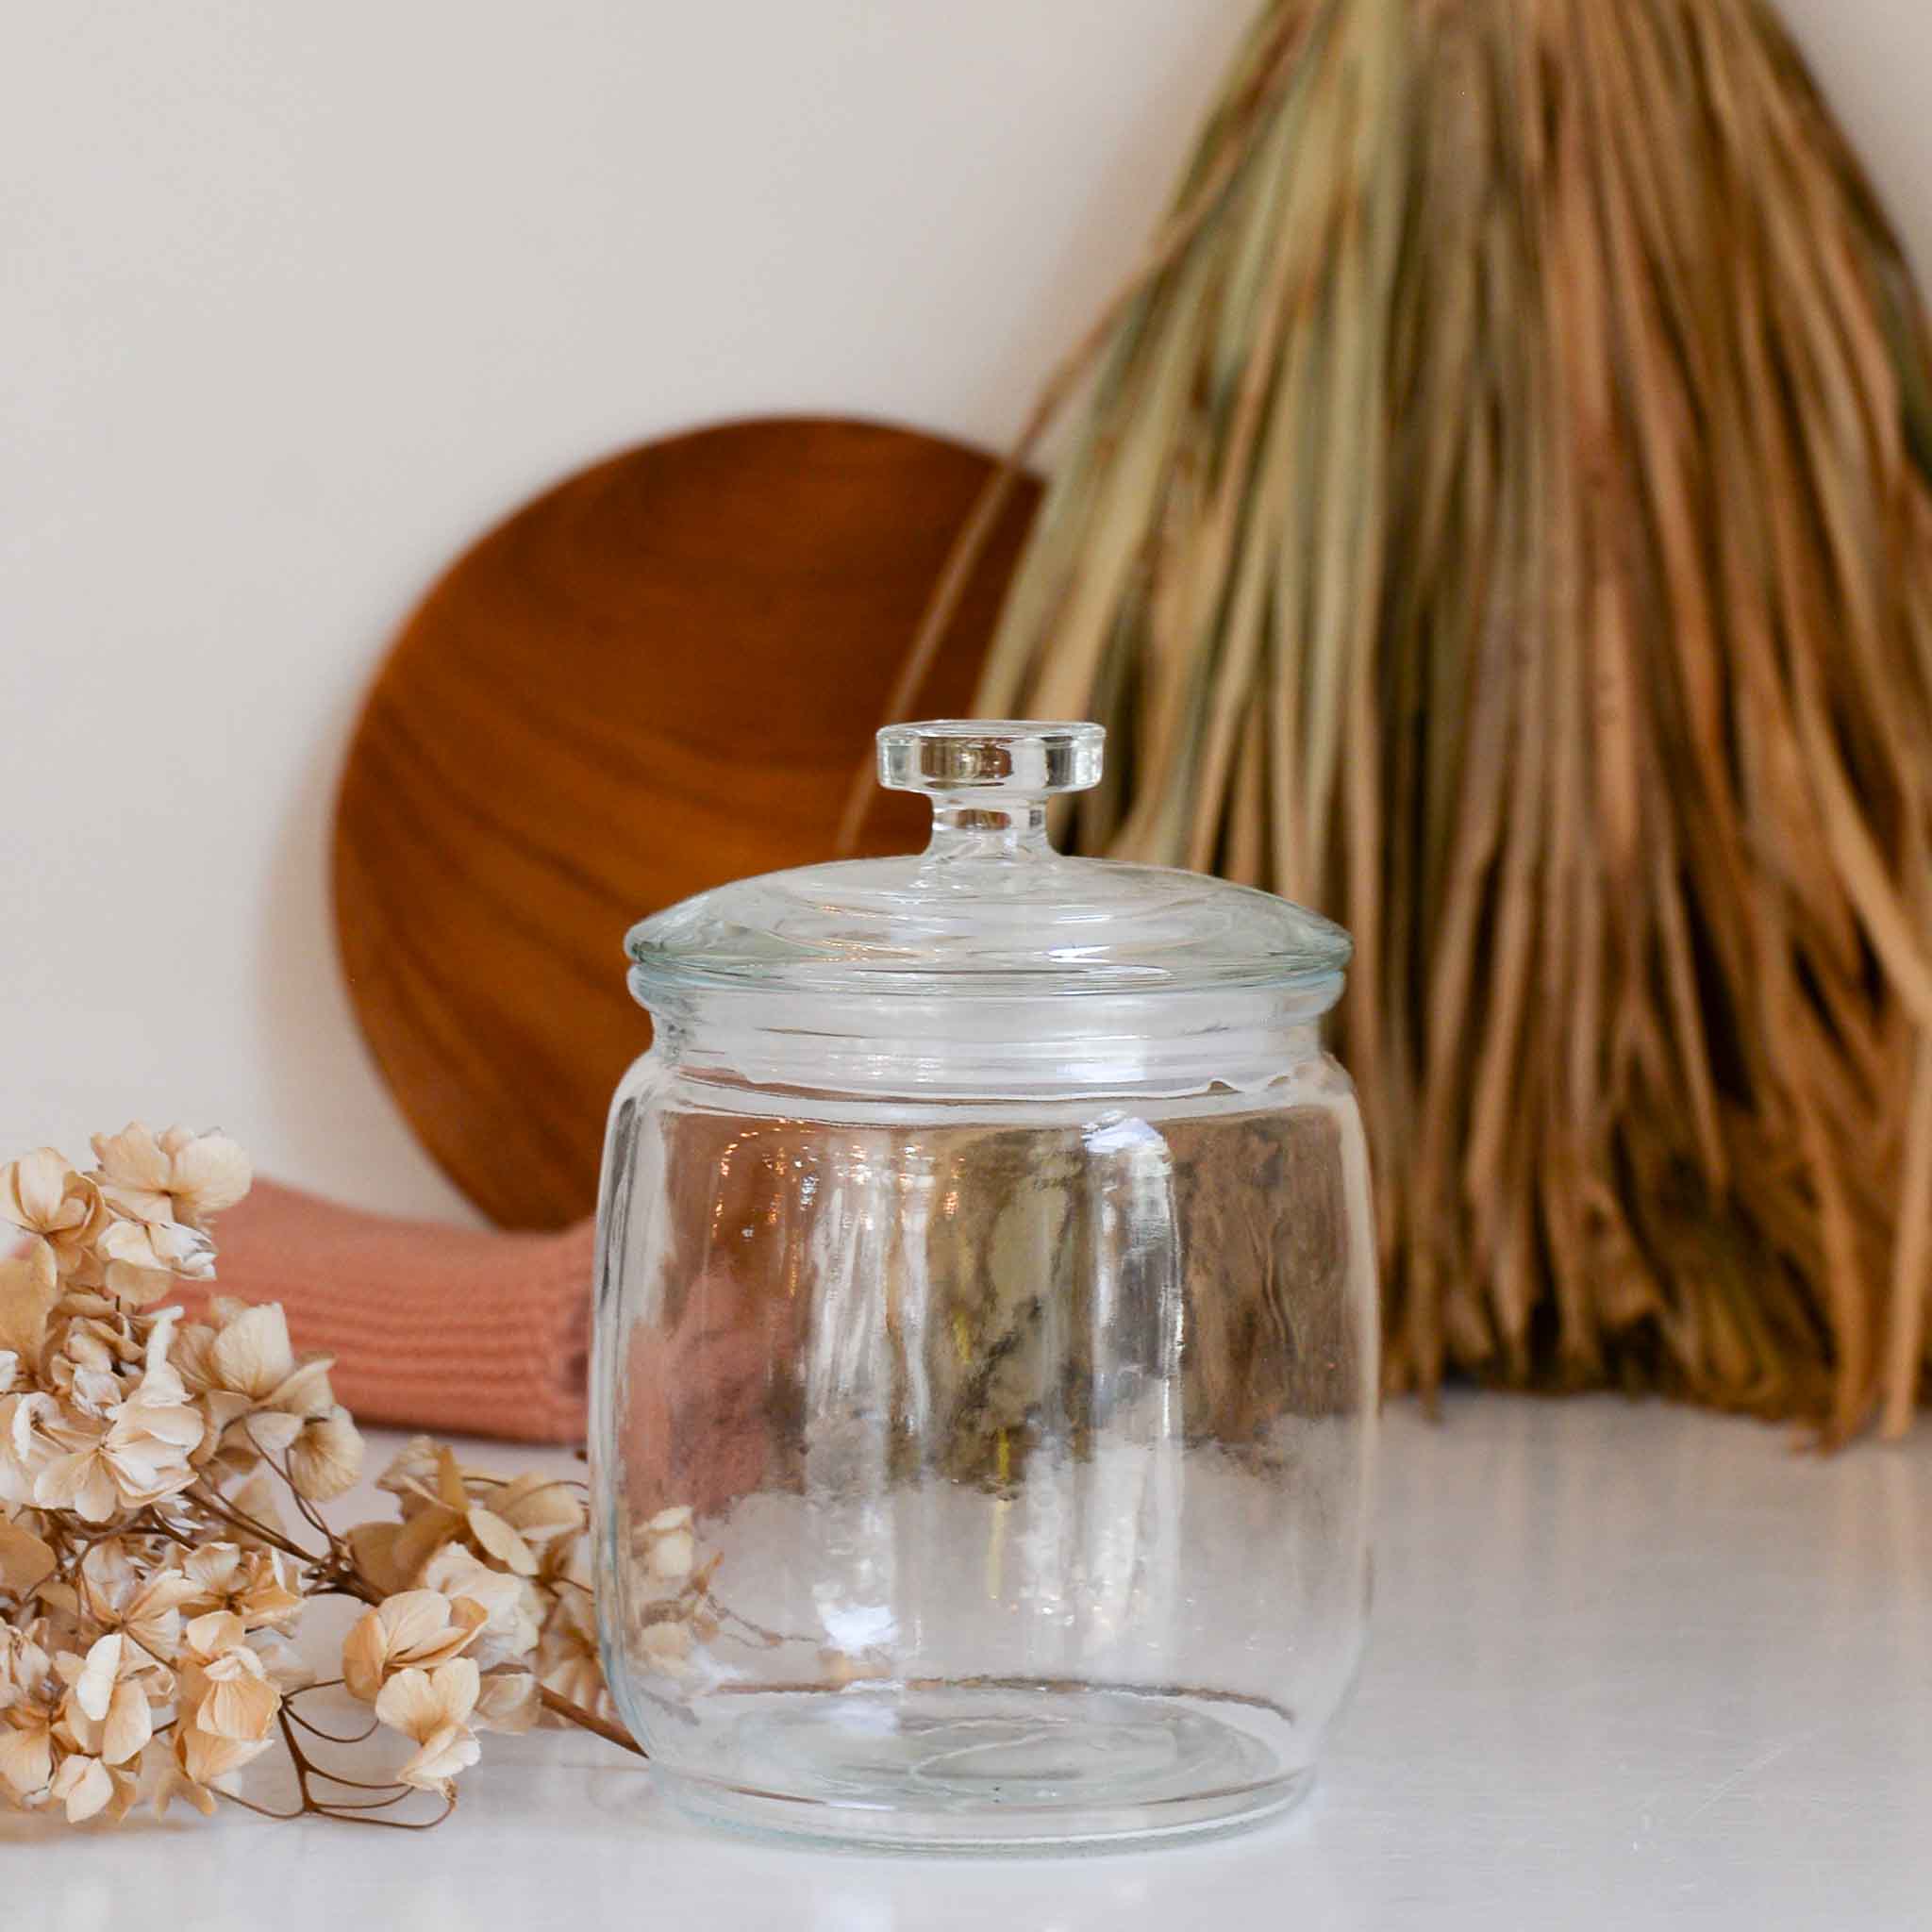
pixel 1498 515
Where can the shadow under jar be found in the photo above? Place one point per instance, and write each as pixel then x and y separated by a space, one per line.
pixel 985 1358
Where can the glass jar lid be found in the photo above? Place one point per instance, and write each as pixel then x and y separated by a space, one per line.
pixel 989 907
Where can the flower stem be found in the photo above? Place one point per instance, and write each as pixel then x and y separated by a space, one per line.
pixel 561 1706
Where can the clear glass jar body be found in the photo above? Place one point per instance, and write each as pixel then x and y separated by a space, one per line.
pixel 983 1460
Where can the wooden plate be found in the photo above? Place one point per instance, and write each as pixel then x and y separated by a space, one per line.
pixel 658 676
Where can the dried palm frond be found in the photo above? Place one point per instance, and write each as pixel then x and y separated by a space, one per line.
pixel 1498 515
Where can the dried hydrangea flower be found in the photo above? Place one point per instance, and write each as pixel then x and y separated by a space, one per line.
pixel 141 1264
pixel 44 1198
pixel 441 1501
pixel 119 1593
pixel 175 1176
pixel 569 1659
pixel 225 1687
pixel 138 1456
pixel 418 1627
pixel 433 1706
pixel 107 1712
pixel 511 1605
pixel 509 1701
pixel 254 1585
pixel 665 1545
pixel 87 1785
pixel 262 1396
pixel 149 1576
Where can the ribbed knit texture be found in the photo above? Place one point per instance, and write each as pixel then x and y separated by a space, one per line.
pixel 432 1327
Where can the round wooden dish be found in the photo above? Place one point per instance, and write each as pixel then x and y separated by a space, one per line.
pixel 658 676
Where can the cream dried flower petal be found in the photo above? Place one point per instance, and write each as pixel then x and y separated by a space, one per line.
pixel 271 1431
pixel 151 1247
pixel 446 1751
pixel 420 1536
pixel 238 1700
pixel 540 1508
pixel 414 1624
pixel 29 1287
pixel 130 1723
pixel 24 1661
pixel 117 1734
pixel 567 1566
pixel 93 1682
pixel 211 1571
pixel 216 1631
pixel 666 1644
pixel 111 1575
pixel 137 1286
pixel 26 1560
pixel 192 1351
pixel 252 1355
pixel 82 1784
pixel 79 1480
pixel 497 1539
pixel 509 1701
pixel 326 1459
pixel 374 1546
pixel 412 1470
pixel 173 1782
pixel 91 1345
pixel 667 1545
pixel 35 1192
pixel 126 1791
pixel 26 1446
pixel 306 1393
pixel 210 1173
pixel 574 1674
pixel 26 1758
pixel 94 1390
pixel 209 1761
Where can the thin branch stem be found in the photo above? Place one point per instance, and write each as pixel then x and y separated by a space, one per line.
pixel 241 1520
pixel 315 1730
pixel 560 1706
pixel 262 1811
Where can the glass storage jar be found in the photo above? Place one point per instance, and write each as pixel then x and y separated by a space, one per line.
pixel 986 1350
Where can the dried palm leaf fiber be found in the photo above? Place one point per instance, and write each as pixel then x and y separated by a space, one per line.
pixel 1497 514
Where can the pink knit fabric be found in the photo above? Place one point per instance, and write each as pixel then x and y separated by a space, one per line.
pixel 433 1327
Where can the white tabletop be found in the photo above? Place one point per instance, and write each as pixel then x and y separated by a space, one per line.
pixel 1631 1667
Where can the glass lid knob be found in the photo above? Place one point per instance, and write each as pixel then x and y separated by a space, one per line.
pixel 1018 758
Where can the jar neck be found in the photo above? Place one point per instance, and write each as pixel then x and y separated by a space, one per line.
pixel 964 827
pixel 1004 1047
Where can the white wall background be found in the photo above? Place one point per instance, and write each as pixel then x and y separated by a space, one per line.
pixel 296 298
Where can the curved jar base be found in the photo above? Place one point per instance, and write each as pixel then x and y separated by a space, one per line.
pixel 991 1765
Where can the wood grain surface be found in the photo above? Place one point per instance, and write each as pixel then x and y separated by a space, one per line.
pixel 657 677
